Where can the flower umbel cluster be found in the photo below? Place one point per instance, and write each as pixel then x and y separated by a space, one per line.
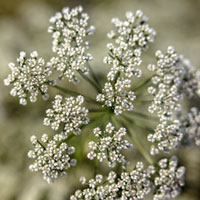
pixel 170 179
pixel 173 78
pixel 118 96
pixel 52 157
pixel 109 145
pixel 133 185
pixel 130 38
pixel 69 112
pixel 167 136
pixel 69 29
pixel 28 77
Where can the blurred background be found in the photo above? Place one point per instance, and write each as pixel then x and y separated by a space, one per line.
pixel 23 26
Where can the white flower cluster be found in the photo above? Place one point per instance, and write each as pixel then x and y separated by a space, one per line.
pixel 167 136
pixel 69 112
pixel 130 38
pixel 133 185
pixel 69 29
pixel 117 96
pixel 109 145
pixel 191 126
pixel 28 77
pixel 173 76
pixel 170 180
pixel 52 157
pixel 123 60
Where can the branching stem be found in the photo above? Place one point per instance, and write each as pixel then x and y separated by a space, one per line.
pixel 94 75
pixel 94 85
pixel 143 84
pixel 138 124
pixel 137 144
pixel 142 115
pixel 67 91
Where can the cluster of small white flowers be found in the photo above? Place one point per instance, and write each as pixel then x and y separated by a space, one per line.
pixel 109 145
pixel 28 77
pixel 133 185
pixel 69 29
pixel 117 96
pixel 173 76
pixel 123 61
pixel 191 127
pixel 167 136
pixel 170 180
pixel 52 157
pixel 130 38
pixel 69 112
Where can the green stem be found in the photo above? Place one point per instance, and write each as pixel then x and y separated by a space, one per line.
pixel 114 121
pixel 95 166
pixel 143 115
pixel 94 75
pixel 66 140
pixel 139 146
pixel 142 84
pixel 96 110
pixel 96 87
pixel 67 91
pixel 41 144
pixel 81 127
pixel 138 103
pixel 138 124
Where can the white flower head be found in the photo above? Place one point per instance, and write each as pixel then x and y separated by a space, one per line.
pixel 131 37
pixel 69 30
pixel 117 96
pixel 109 145
pixel 166 137
pixel 174 77
pixel 170 179
pixel 51 157
pixel 69 112
pixel 28 77
pixel 128 185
